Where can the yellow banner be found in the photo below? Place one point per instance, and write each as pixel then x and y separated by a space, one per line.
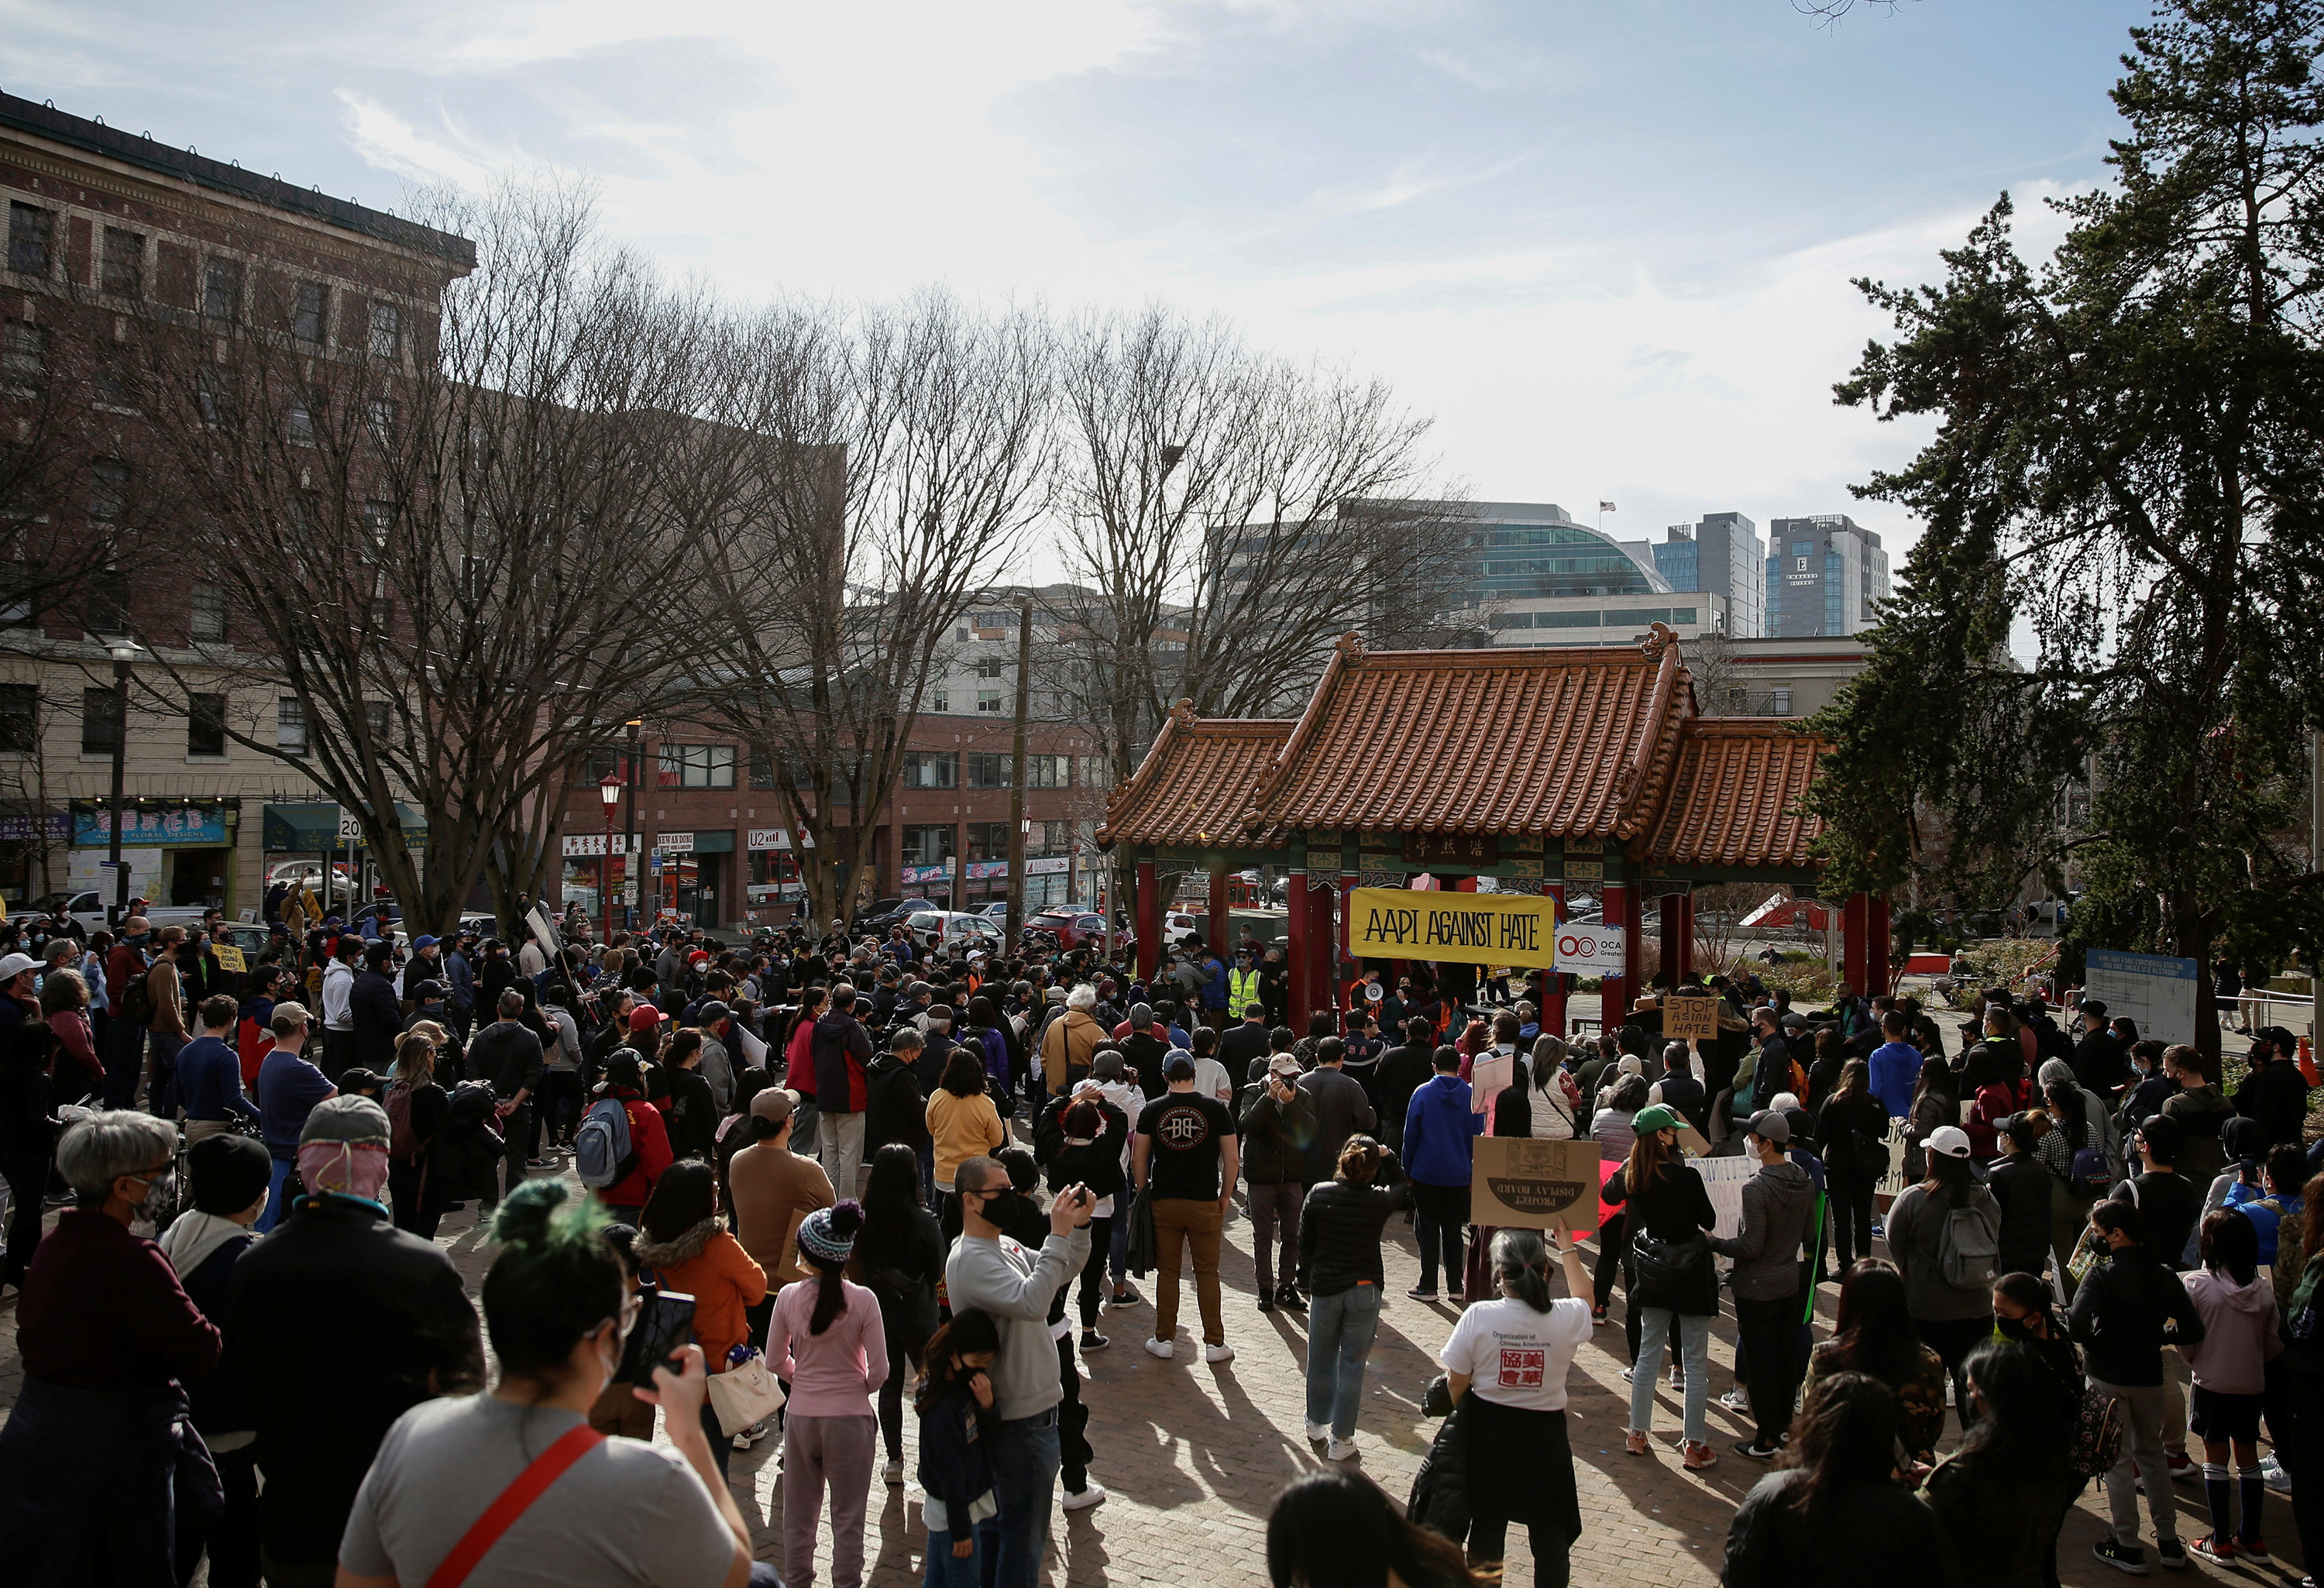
pixel 1474 928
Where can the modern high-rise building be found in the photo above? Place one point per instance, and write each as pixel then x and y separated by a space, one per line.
pixel 1824 574
pixel 1721 556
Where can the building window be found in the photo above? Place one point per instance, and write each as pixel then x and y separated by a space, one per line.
pixel 928 845
pixel 214 397
pixel 383 422
pixel 207 624
pixel 943 701
pixel 109 490
pixel 1782 698
pixel 221 291
pixel 961 633
pixel 989 700
pixel 1095 773
pixel 386 330
pixel 290 724
pixel 931 768
pixel 206 725
pixel 309 301
pixel 1047 771
pixel 30 230
pixel 108 613
pixel 302 423
pixel 124 263
pixel 20 710
pixel 988 841
pixel 987 770
pixel 100 721
pixel 762 770
pixel 697 766
pixel 25 355
pixel 112 382
pixel 988 669
pixel 375 719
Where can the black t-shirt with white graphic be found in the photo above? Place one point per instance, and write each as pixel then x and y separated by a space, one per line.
pixel 1186 1129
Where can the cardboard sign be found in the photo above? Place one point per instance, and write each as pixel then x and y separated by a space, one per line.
pixel 1490 1076
pixel 1687 1017
pixel 1517 1183
pixel 229 956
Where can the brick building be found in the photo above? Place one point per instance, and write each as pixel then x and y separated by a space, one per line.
pixel 113 237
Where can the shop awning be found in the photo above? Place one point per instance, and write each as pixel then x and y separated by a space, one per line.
pixel 314 828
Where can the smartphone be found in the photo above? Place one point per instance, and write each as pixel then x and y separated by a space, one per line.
pixel 665 1324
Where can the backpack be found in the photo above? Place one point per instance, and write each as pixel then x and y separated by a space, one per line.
pixel 400 1145
pixel 462 1159
pixel 603 1154
pixel 1967 1249
pixel 2091 1173
pixel 137 1000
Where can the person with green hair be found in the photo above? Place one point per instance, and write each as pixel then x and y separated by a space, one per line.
pixel 559 1306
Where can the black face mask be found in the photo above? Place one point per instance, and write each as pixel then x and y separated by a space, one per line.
pixel 1005 1209
pixel 2014 1328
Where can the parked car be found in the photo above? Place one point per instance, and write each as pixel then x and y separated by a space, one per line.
pixel 888 912
pixel 88 908
pixel 311 873
pixel 941 929
pixel 1074 926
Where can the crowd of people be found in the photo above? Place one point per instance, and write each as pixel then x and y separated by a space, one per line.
pixel 778 1191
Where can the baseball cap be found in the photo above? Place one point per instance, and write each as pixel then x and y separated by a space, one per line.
pixel 1179 1066
pixel 775 1105
pixel 1948 1142
pixel 2164 1137
pixel 645 1017
pixel 1767 1126
pixel 715 1010
pixel 425 941
pixel 428 990
pixel 15 965
pixel 1107 1064
pixel 1796 1019
pixel 1283 1064
pixel 345 1118
pixel 1655 1116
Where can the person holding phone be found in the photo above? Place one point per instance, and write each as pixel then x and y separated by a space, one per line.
pixel 558 1305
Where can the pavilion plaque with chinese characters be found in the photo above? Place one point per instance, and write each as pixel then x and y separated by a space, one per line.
pixel 1452 849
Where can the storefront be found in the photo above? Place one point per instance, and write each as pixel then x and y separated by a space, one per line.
pixel 931 883
pixel 690 873
pixel 774 890
pixel 591 864
pixel 33 855
pixel 312 830
pixel 178 852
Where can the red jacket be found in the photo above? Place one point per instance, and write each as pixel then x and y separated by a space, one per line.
pixel 799 1059
pixel 650 1139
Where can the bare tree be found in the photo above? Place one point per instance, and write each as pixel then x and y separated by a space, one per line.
pixel 448 550
pixel 1232 513
pixel 900 454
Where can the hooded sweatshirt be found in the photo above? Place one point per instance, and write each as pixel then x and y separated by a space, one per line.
pixel 1438 1128
pixel 2240 1336
pixel 1776 1201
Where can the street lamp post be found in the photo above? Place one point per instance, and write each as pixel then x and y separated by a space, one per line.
pixel 609 791
pixel 123 652
pixel 630 825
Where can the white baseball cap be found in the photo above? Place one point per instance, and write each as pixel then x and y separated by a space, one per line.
pixel 1948 1142
pixel 15 965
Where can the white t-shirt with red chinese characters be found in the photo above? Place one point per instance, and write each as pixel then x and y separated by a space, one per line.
pixel 1515 1356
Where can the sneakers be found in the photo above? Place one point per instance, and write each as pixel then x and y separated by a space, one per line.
pixel 1094 1340
pixel 1219 1353
pixel 1634 1443
pixel 2223 1553
pixel 2122 1557
pixel 1164 1349
pixel 1695 1455
pixel 1736 1400
pixel 2184 1468
pixel 1339 1450
pixel 2170 1555
pixel 1630 1374
pixel 894 1472
pixel 2253 1548
pixel 1753 1449
pixel 1678 1380
pixel 1125 1296
pixel 746 1437
pixel 539 1163
pixel 1288 1299
pixel 1266 1303
pixel 1598 1318
pixel 1417 1294
pixel 2272 1472
pixel 1318 1432
pixel 1093 1495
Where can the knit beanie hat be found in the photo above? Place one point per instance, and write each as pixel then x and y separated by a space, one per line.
pixel 228 1173
pixel 828 1233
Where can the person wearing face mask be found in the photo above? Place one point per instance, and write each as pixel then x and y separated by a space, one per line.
pixel 609 1511
pixel 98 1449
pixel 228 1179
pixel 333 1272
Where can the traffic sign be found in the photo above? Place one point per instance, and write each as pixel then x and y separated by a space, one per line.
pixel 350 827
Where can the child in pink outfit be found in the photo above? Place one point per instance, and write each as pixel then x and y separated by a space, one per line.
pixel 826 1342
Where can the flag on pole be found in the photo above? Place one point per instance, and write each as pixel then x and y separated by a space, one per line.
pixel 1607 507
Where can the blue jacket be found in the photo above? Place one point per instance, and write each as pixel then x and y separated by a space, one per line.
pixel 1896 1067
pixel 1214 987
pixel 459 980
pixel 1437 1130
pixel 209 1080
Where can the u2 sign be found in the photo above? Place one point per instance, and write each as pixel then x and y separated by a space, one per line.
pixel 1590 950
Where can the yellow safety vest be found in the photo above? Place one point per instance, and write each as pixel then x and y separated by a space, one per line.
pixel 1242 991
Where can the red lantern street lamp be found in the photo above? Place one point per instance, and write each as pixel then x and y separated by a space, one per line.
pixel 609 790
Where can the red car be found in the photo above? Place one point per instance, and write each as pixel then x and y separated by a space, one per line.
pixel 1074 928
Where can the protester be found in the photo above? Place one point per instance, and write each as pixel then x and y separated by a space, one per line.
pixel 2023 1186
pixel 1439 1130
pixel 1340 1247
pixel 1278 1118
pixel 826 1342
pixel 1831 1514
pixel 28 1067
pixel 1873 1334
pixel 1184 1158
pixel 682 1238
pixel 843 1061
pixel 958 1429
pixel 618 1511
pixel 1337 1528
pixel 1513 1355
pixel 1946 1262
pixel 508 1054
pixel 288 1090
pixel 98 1452
pixel 2241 1335
pixel 416 1112
pixel 1851 1135
pixel 2002 1495
pixel 963 1124
pixel 1084 1139
pixel 1669 1214
pixel 899 1257
pixel 1777 1203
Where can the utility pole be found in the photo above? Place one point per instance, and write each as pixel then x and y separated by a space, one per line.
pixel 1016 917
pixel 2315 864
pixel 629 879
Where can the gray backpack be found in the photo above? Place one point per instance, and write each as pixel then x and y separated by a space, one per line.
pixel 1967 1248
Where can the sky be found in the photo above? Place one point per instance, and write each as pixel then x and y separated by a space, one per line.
pixel 1607 246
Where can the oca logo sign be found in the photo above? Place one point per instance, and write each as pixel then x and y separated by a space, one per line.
pixel 1577 946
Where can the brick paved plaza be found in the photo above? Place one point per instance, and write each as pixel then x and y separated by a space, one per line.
pixel 1193 1454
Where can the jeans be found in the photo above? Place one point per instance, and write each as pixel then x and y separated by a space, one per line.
pixel 1180 1222
pixel 516 1132
pixel 275 1200
pixel 161 1097
pixel 124 1061
pixel 2141 1453
pixel 948 1570
pixel 1093 1288
pixel 1851 1221
pixel 1272 1207
pixel 1443 1210
pixel 1767 1330
pixel 1489 1539
pixel 843 1151
pixel 806 1127
pixel 1654 1324
pixel 1025 1460
pixel 1116 1257
pixel 27 1174
pixel 1340 1327
pixel 1074 1452
pixel 817 1451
